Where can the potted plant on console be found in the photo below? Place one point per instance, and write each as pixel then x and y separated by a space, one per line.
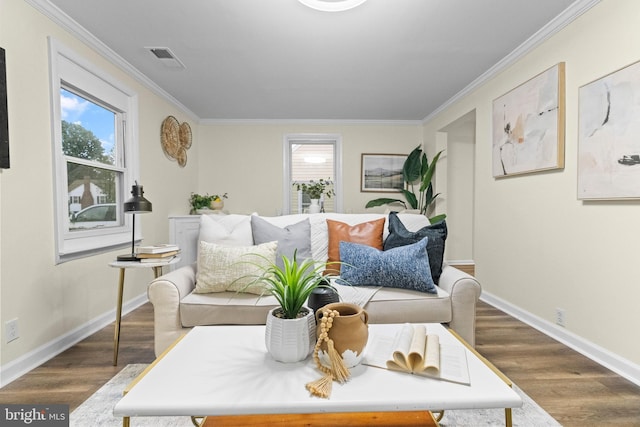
pixel 291 284
pixel 200 203
pixel 315 190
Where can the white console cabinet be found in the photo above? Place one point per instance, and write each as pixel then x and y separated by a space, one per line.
pixel 183 231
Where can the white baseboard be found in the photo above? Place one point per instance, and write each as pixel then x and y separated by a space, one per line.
pixel 604 357
pixel 16 368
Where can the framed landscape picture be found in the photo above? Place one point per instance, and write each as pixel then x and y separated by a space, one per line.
pixel 382 172
pixel 528 125
pixel 609 136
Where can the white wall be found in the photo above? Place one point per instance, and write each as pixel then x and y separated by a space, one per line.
pixel 53 302
pixel 535 245
pixel 455 181
pixel 246 160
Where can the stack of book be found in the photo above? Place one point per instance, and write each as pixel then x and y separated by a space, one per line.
pixel 157 253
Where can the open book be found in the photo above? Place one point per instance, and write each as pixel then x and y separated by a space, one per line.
pixel 414 351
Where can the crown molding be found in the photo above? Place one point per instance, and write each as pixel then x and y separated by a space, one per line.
pixel 319 122
pixel 575 10
pixel 63 20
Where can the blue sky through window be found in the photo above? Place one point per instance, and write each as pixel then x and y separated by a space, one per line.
pixel 93 117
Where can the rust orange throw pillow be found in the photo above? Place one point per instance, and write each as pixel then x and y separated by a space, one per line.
pixel 367 233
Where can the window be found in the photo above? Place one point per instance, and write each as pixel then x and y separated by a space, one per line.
pixel 95 155
pixel 311 157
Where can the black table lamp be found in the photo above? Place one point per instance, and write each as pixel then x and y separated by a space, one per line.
pixel 135 205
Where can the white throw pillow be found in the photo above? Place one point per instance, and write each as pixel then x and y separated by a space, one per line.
pixel 232 268
pixel 226 230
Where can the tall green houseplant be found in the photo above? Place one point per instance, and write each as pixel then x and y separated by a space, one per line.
pixel 417 172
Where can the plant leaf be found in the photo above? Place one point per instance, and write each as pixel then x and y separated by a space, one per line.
pixel 411 199
pixel 384 201
pixel 437 218
pixel 412 166
pixel 426 179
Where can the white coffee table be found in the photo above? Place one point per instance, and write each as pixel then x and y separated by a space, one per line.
pixel 226 370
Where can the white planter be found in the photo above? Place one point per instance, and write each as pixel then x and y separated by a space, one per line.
pixel 314 207
pixel 290 340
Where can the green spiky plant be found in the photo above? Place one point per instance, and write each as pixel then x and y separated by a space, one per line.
pixel 416 171
pixel 292 283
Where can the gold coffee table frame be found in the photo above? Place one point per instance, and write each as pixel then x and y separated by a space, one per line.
pixel 389 419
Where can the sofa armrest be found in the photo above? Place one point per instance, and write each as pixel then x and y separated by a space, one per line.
pixel 465 291
pixel 165 294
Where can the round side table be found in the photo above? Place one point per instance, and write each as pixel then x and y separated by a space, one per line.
pixel 123 265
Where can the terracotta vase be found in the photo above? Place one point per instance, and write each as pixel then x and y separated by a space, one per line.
pixel 349 332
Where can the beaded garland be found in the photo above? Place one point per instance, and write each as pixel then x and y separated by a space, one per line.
pixel 337 371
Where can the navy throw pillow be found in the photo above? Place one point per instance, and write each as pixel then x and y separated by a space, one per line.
pixel 437 234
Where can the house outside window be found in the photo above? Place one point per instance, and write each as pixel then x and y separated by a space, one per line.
pixel 95 155
pixel 312 157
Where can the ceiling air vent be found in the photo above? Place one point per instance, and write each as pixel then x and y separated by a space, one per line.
pixel 165 56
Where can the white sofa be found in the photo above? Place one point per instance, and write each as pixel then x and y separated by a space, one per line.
pixel 177 308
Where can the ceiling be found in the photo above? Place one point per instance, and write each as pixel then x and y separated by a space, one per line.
pixel 280 60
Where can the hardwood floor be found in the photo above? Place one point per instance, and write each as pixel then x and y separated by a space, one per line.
pixel 572 388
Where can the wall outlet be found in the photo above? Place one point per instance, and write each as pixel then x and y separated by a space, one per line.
pixel 11 329
pixel 560 317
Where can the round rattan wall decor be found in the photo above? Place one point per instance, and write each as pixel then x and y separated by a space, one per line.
pixel 176 139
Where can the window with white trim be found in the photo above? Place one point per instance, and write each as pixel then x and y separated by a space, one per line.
pixel 95 158
pixel 312 157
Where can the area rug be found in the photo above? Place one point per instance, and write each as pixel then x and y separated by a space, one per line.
pixel 97 410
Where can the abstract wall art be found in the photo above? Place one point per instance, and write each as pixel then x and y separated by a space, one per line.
pixel 609 136
pixel 528 125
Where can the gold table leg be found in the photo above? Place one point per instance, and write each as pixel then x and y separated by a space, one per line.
pixel 116 335
pixel 157 272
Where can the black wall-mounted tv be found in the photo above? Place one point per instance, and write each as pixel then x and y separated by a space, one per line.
pixel 4 114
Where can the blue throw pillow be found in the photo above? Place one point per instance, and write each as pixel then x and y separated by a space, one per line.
pixel 406 267
pixel 437 234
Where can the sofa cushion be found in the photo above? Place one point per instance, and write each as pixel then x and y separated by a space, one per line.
pixel 399 235
pixel 226 230
pixel 392 305
pixel 367 233
pixel 405 267
pixel 388 305
pixel 225 308
pixel 232 268
pixel 290 238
